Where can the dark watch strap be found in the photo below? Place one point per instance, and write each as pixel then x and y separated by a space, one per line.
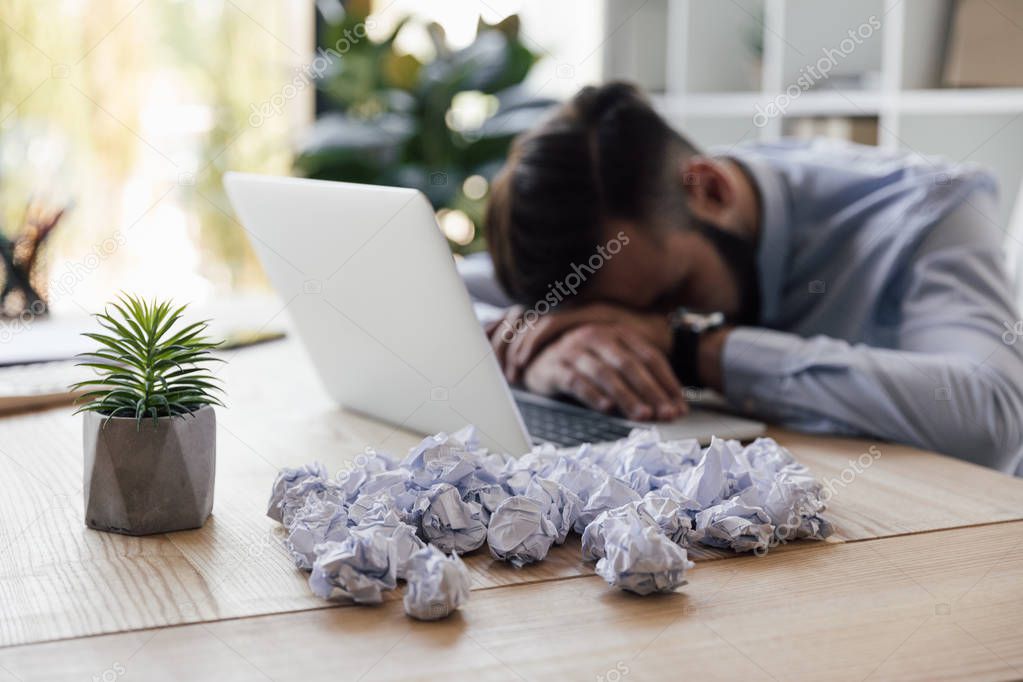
pixel 684 356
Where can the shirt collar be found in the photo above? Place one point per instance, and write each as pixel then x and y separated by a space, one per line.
pixel 773 237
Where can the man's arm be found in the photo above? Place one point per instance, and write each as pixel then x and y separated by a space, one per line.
pixel 955 386
pixel 942 402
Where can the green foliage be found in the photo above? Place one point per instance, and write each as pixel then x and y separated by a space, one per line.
pixel 390 116
pixel 147 364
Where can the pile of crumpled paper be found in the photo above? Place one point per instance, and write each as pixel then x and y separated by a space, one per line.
pixel 638 504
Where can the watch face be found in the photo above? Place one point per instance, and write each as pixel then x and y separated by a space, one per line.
pixel 713 321
pixel 684 319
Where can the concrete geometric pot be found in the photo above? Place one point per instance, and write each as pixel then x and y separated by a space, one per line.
pixel 154 479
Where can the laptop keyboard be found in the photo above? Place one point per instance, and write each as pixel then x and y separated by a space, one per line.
pixel 569 425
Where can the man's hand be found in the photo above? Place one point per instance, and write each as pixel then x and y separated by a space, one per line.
pixel 608 366
pixel 517 340
pixel 503 331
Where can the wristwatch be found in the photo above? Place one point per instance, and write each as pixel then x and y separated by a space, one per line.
pixel 686 330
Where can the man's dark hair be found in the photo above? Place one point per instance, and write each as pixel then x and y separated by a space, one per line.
pixel 605 154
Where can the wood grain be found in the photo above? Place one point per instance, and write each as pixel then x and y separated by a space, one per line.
pixel 883 489
pixel 945 605
pixel 59 579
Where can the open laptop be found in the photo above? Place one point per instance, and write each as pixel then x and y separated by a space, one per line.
pixel 373 291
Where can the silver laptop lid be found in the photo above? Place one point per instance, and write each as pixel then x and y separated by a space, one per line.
pixel 369 281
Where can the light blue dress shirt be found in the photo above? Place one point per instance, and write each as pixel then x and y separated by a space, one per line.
pixel 885 307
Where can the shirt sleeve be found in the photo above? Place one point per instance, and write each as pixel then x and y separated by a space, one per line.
pixel 941 402
pixel 954 384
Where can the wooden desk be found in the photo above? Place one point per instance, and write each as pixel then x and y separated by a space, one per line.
pixel 886 598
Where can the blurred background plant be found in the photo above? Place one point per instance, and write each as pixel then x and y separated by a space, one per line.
pixel 22 287
pixel 131 112
pixel 441 125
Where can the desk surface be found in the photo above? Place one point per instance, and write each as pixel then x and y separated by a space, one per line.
pixel 886 597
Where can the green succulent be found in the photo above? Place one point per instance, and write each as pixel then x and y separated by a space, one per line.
pixel 148 365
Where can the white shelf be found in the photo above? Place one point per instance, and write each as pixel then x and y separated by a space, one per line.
pixel 723 62
pixel 847 103
pixel 824 103
pixel 980 101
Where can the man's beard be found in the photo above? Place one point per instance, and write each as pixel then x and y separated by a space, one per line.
pixel 740 257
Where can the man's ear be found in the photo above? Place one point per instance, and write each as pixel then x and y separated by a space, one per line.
pixel 708 188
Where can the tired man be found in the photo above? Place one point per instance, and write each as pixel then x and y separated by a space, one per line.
pixel 863 291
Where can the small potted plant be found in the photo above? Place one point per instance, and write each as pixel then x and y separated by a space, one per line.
pixel 150 428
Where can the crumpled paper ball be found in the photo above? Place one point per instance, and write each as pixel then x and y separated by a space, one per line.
pixel 735 525
pixel 488 497
pixel 316 522
pixel 387 482
pixel 560 505
pixel 519 532
pixel 645 451
pixel 619 519
pixel 367 473
pixel 611 493
pixel 643 560
pixel 439 459
pixel 436 584
pixel 404 537
pixel 450 523
pixel 674 514
pixel 362 567
pixel 578 475
pixel 289 478
pixel 707 483
pixel 792 501
pixel 371 505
